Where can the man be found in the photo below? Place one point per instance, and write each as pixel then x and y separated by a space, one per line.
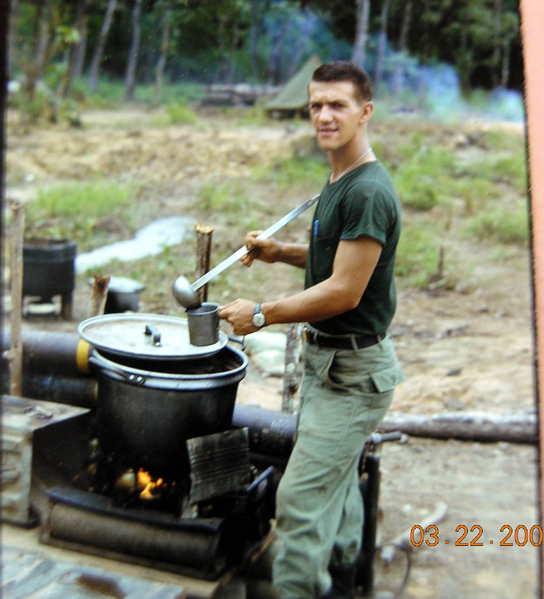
pixel 350 365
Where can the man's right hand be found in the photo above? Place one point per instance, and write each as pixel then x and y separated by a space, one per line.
pixel 266 250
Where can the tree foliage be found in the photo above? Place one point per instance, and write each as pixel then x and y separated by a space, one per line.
pixel 268 40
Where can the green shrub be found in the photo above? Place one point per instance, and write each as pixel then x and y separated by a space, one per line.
pixel 505 225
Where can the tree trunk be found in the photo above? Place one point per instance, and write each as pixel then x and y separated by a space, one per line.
pixel 398 73
pixel 34 66
pixel 381 47
pixel 274 62
pixel 405 27
pixel 167 17
pixel 361 35
pixel 254 29
pixel 80 52
pixel 517 427
pixel 99 50
pixel 498 45
pixel 130 80
pixel 12 39
pixel 79 25
pixel 231 67
pixel 505 71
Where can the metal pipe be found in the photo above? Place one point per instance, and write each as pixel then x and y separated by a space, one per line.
pixel 48 352
pixel 271 433
pixel 370 489
pixel 81 392
pixel 199 550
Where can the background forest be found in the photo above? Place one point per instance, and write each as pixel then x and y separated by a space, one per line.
pixel 79 47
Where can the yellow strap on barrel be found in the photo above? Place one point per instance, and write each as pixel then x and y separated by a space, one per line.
pixel 82 356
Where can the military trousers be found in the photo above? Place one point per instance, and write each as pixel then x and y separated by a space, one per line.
pixel 319 510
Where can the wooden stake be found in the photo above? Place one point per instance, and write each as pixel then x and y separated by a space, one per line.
pixel 203 254
pixel 291 378
pixel 16 351
pixel 100 295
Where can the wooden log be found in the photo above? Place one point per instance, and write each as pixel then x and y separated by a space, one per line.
pixel 16 351
pixel 203 253
pixel 99 295
pixel 291 377
pixel 512 427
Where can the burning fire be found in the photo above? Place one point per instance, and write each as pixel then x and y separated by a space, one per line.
pixel 149 488
pixel 142 481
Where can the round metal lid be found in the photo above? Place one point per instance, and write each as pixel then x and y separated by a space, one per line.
pixel 145 336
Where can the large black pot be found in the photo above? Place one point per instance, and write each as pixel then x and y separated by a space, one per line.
pixel 49 270
pixel 147 409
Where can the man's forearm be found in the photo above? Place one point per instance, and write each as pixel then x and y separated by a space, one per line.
pixel 325 300
pixel 294 254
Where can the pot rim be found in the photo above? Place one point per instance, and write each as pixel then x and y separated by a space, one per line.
pixel 139 376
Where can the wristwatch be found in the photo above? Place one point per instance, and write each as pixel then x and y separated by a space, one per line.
pixel 258 319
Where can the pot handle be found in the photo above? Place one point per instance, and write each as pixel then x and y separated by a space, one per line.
pixel 135 379
pixel 154 332
pixel 240 340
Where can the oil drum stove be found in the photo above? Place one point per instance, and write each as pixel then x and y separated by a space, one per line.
pixel 154 474
pixel 151 462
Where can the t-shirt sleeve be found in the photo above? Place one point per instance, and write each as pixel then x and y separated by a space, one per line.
pixel 365 212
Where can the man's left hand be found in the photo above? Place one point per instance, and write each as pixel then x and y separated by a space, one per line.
pixel 239 314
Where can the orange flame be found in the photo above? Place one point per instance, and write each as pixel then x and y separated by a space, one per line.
pixel 150 488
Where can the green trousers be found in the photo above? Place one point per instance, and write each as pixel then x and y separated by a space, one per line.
pixel 319 511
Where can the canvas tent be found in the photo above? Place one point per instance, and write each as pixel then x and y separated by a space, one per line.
pixel 292 99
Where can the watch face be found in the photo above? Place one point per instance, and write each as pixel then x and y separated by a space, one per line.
pixel 258 319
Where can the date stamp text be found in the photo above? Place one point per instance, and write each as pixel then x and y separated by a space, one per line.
pixel 510 536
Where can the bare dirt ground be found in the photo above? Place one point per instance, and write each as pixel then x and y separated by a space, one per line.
pixel 461 350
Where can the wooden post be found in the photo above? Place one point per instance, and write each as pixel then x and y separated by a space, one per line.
pixel 16 351
pixel 203 252
pixel 100 295
pixel 291 378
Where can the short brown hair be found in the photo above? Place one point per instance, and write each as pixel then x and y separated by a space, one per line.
pixel 343 70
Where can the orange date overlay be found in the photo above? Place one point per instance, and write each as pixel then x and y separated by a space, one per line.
pixel 518 536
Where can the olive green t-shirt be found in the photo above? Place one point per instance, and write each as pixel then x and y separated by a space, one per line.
pixel 362 202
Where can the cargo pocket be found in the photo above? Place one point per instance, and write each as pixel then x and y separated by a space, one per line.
pixel 352 380
pixel 387 379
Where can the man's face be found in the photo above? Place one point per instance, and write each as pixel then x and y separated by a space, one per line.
pixel 336 114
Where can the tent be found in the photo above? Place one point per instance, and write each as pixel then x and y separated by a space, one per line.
pixel 292 99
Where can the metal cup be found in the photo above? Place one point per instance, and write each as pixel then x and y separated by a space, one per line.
pixel 204 324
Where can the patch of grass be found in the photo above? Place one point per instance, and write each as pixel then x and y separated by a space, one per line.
pixel 111 93
pixel 424 174
pixel 512 170
pixel 83 212
pixel 181 114
pixel 226 198
pixel 417 254
pixel 502 225
pixel 499 140
pixel 294 172
pixel 475 192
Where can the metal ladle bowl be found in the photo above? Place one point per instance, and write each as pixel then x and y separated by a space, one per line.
pixel 185 294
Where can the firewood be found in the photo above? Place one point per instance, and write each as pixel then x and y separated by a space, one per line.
pixel 100 295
